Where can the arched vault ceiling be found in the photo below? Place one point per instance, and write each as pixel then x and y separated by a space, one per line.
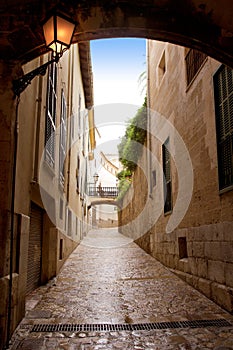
pixel 206 25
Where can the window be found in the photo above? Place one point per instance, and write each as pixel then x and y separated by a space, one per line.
pixel 78 174
pixel 62 150
pixel 69 233
pixel 182 244
pixel 167 177
pixel 77 228
pixel 72 126
pixel 194 60
pixel 223 89
pixel 154 178
pixel 161 68
pixel 61 249
pixel 61 209
pixel 50 122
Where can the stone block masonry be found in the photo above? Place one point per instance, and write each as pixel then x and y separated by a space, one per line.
pixel 200 248
pixel 119 286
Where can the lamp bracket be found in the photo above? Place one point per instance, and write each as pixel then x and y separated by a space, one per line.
pixel 19 85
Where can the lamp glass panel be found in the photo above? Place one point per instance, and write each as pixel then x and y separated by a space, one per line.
pixel 49 31
pixel 64 30
pixel 56 47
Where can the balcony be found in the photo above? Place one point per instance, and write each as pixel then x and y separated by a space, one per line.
pixel 102 192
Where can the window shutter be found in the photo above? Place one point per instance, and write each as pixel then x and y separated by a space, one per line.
pixel 62 146
pixel 167 177
pixel 223 89
pixel 51 115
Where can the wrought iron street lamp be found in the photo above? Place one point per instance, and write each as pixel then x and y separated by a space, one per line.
pixel 58 33
pixel 95 177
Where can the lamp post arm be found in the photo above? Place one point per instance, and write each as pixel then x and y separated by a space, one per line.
pixel 19 85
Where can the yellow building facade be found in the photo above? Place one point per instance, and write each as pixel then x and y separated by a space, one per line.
pixel 52 151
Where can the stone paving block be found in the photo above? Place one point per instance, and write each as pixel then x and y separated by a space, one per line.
pixel 121 285
pixel 31 343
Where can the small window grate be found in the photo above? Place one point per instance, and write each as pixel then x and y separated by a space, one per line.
pixel 194 60
pixel 62 327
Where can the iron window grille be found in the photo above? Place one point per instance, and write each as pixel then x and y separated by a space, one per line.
pixel 194 60
pixel 51 115
pixel 223 92
pixel 167 177
pixel 62 139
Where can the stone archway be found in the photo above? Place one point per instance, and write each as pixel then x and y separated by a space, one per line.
pixel 111 221
pixel 205 25
pixel 105 201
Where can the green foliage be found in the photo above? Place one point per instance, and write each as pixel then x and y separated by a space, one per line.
pixel 124 185
pixel 124 174
pixel 130 147
pixel 132 142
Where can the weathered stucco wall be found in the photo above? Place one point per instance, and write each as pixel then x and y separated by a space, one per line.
pixel 62 231
pixel 56 249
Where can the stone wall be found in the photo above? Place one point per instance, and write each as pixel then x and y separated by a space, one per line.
pixel 107 223
pixel 200 248
pixel 208 265
pixel 131 217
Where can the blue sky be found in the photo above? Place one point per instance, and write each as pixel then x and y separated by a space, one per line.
pixel 117 65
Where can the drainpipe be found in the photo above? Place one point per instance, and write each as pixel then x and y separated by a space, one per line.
pixel 12 212
pixel 70 95
pixel 37 132
pixel 149 160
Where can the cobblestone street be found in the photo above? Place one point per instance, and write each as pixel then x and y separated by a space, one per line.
pixel 109 280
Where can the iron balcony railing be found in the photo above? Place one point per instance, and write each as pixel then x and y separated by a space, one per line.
pixel 103 192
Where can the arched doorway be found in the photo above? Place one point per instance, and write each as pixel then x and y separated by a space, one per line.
pixel 104 213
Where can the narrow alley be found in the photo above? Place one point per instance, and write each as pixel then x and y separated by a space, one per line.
pixel 109 280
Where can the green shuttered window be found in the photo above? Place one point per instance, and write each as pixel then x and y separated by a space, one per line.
pixel 167 177
pixel 223 89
